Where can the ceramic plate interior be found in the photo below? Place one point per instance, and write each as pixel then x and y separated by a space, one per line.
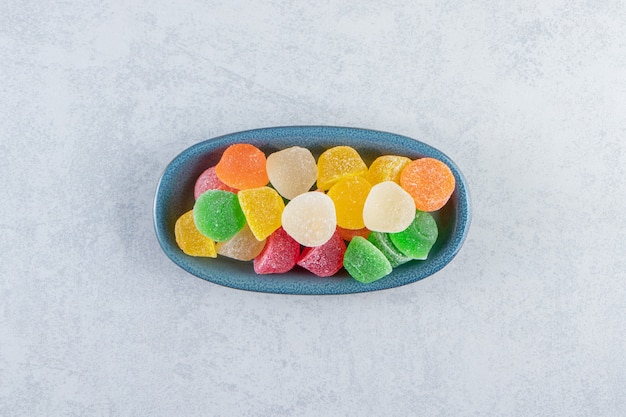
pixel 174 197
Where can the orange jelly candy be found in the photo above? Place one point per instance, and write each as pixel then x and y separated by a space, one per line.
pixel 242 166
pixel 429 181
pixel 349 234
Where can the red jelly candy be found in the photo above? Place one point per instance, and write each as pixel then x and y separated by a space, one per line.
pixel 279 254
pixel 324 260
pixel 209 181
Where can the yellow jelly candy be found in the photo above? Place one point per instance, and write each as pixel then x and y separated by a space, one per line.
pixel 190 240
pixel 263 208
pixel 386 168
pixel 349 196
pixel 243 246
pixel 337 163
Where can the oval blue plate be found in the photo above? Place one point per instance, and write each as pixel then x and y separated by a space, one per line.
pixel 174 196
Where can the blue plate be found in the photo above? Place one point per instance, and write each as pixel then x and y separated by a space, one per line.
pixel 174 196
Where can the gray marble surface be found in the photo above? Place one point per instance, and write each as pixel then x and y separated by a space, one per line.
pixel 529 98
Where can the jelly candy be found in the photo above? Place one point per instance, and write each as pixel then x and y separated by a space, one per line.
pixel 324 260
pixel 382 212
pixel 243 246
pixel 279 255
pixel 383 242
pixel 242 166
pixel 337 163
pixel 416 240
pixel 190 240
pixel 429 181
pixel 349 195
pixel 209 181
pixel 388 208
pixel 310 218
pixel 348 234
pixel 364 261
pixel 263 208
pixel 292 171
pixel 386 168
pixel 217 215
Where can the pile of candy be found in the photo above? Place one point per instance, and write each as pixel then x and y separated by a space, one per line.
pixel 249 207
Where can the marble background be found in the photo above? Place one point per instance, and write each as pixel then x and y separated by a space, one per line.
pixel 528 98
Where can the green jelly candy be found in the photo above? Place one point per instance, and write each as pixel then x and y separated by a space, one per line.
pixel 364 261
pixel 218 215
pixel 383 243
pixel 416 240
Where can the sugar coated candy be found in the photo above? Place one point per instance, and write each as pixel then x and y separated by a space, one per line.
pixel 217 215
pixel 417 239
pixel 279 255
pixel 337 163
pixel 209 181
pixel 348 234
pixel 388 208
pixel 263 208
pixel 386 168
pixel 249 207
pixel 349 195
pixel 242 166
pixel 429 181
pixel 292 171
pixel 243 246
pixel 383 243
pixel 364 261
pixel 310 218
pixel 325 260
pixel 190 240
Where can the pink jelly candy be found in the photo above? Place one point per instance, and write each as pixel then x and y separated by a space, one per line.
pixel 279 255
pixel 324 260
pixel 209 181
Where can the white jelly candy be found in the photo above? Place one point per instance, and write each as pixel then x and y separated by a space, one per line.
pixel 292 171
pixel 310 218
pixel 243 246
pixel 388 208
